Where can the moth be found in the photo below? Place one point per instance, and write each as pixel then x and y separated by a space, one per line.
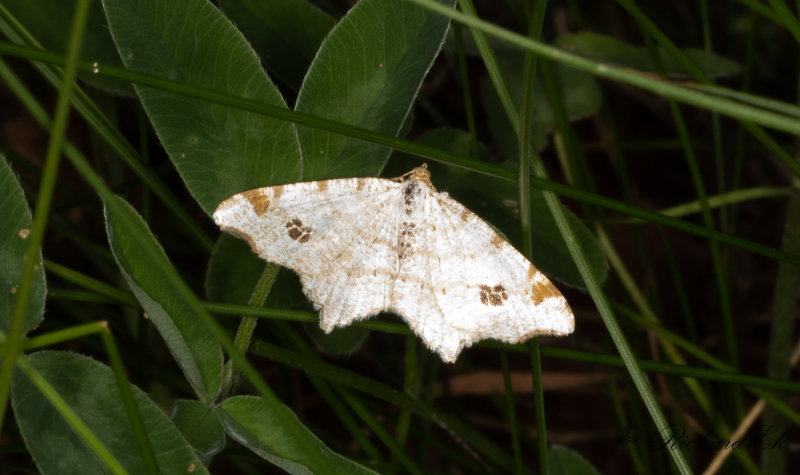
pixel 366 245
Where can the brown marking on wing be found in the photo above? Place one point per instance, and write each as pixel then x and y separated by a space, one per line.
pixel 543 289
pixel 497 240
pixel 258 200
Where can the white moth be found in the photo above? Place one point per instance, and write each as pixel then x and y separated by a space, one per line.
pixel 365 245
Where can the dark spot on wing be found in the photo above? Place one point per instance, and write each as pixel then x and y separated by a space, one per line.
pixel 406 240
pixel 297 231
pixel 496 295
pixel 410 192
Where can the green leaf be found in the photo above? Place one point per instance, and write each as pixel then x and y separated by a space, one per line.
pixel 218 150
pixel 200 426
pixel 255 424
pixel 611 50
pixel 286 34
pixel 367 73
pixel 232 271
pixel 549 251
pixel 565 461
pixel 15 226
pixel 580 91
pixel 91 391
pixel 339 342
pixel 52 30
pixel 167 300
